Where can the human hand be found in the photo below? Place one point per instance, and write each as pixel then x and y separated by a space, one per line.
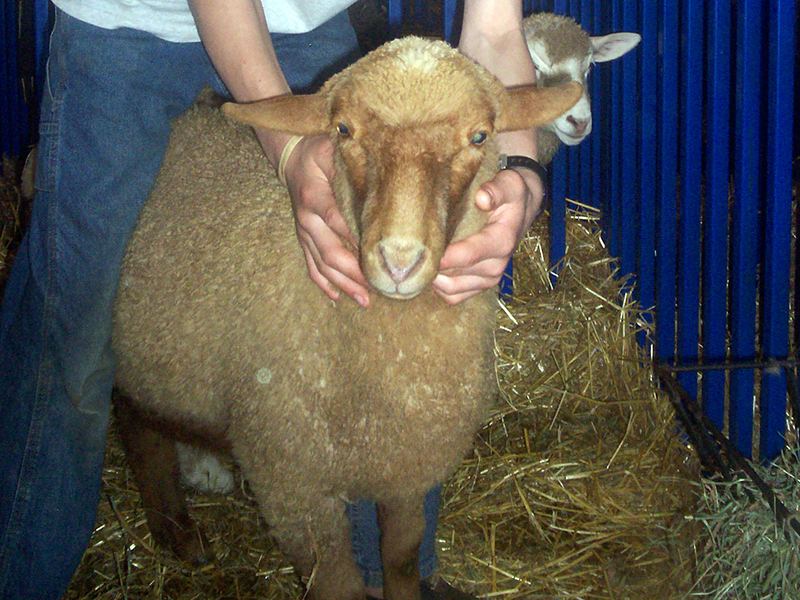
pixel 513 199
pixel 321 230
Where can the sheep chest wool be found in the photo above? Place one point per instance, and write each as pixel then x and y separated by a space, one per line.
pixel 223 339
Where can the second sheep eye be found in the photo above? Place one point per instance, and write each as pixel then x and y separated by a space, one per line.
pixel 478 138
pixel 343 130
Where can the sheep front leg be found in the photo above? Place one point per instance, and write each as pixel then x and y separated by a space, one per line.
pixel 314 534
pixel 401 524
pixel 153 459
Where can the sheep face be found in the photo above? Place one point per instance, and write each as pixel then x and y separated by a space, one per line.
pixel 561 51
pixel 413 126
pixel 410 161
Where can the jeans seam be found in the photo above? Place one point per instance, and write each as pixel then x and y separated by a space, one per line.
pixel 33 444
pixel 32 451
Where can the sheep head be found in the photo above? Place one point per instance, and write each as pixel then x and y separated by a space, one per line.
pixel 562 51
pixel 413 126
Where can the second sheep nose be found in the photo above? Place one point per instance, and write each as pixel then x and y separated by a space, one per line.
pixel 578 124
pixel 401 259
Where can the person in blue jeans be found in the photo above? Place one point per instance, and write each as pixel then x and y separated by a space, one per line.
pixel 118 73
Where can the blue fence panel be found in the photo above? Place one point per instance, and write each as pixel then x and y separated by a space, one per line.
pixel 745 220
pixel 691 132
pixel 612 164
pixel 778 216
pixel 629 201
pixel 13 114
pixel 600 86
pixel 667 214
pixel 586 149
pixel 715 246
pixel 395 10
pixel 648 155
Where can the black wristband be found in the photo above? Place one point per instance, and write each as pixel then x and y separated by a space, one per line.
pixel 525 162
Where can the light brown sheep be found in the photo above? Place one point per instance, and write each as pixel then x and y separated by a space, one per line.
pixel 562 51
pixel 222 337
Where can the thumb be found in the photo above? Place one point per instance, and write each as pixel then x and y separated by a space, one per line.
pixel 487 198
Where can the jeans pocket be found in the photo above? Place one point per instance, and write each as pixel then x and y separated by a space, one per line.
pixel 46 157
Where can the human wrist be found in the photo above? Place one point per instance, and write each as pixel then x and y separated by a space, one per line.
pixel 527 164
pixel 286 153
pixel 272 144
pixel 534 183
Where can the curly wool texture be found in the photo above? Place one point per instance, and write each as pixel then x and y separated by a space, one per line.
pixel 220 331
pixel 218 326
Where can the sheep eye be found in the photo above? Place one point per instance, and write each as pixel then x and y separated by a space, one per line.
pixel 343 130
pixel 479 138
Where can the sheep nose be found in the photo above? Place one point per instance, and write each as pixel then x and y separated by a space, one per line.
pixel 578 124
pixel 400 259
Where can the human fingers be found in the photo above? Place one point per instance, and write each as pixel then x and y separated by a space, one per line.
pixel 320 226
pixel 331 263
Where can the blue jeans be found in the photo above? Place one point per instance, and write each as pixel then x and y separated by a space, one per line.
pixel 108 101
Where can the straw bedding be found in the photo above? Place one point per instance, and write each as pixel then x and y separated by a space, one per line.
pixel 578 485
pixel 14 215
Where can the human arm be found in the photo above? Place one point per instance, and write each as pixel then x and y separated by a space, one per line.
pixel 237 39
pixel 492 36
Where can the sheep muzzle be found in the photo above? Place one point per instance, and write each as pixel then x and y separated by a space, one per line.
pixel 403 225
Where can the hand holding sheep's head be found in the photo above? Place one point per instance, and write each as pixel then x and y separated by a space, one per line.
pixel 413 125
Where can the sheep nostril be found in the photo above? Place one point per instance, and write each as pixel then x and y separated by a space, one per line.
pixel 578 124
pixel 400 261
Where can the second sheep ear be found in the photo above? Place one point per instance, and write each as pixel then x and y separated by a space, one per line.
pixel 296 115
pixel 613 45
pixel 530 106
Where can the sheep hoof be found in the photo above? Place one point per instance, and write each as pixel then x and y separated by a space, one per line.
pixel 194 548
pixel 187 541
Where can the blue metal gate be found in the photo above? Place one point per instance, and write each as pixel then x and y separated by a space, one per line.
pixel 692 167
pixel 23 32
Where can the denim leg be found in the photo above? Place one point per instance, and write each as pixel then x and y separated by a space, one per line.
pixel 366 538
pixel 105 123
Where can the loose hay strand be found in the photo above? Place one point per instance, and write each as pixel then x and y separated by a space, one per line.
pixel 743 554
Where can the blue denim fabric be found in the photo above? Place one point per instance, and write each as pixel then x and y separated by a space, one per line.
pixel 366 539
pixel 108 100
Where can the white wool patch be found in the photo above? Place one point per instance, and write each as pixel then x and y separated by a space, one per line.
pixel 540 56
pixel 264 375
pixel 424 60
pixel 576 67
pixel 203 470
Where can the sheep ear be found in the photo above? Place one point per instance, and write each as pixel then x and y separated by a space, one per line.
pixel 614 45
pixel 298 115
pixel 530 106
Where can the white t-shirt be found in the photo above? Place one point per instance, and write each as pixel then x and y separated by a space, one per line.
pixel 172 20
